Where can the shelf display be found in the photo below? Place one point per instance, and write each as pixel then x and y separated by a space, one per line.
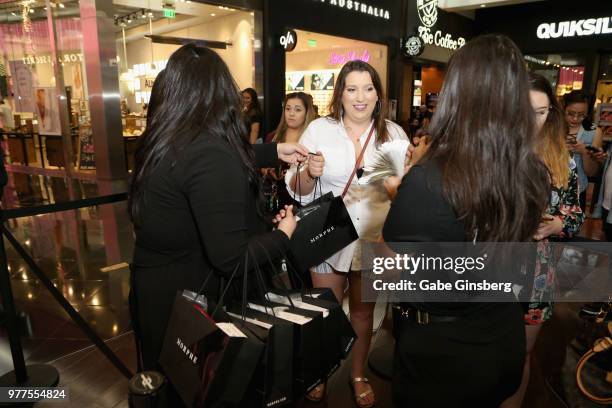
pixel 319 84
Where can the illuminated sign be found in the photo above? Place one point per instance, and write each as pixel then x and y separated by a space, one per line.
pixel 589 26
pixel 169 13
pixel 359 7
pixel 428 14
pixel 341 59
pixel 289 40
pixel 414 46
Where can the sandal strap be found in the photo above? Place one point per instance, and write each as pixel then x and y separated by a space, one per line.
pixel 364 394
pixel 359 379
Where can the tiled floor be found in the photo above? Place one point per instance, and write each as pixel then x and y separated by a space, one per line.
pixel 73 248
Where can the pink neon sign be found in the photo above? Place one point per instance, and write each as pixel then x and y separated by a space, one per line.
pixel 341 59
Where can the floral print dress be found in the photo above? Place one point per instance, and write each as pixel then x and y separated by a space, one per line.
pixel 564 204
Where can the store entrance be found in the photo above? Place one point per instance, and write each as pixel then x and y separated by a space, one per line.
pixel 314 64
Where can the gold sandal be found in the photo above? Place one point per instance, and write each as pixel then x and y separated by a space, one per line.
pixel 318 390
pixel 360 397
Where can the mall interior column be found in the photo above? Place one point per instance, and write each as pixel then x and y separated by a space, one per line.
pixel 103 86
pixel 62 102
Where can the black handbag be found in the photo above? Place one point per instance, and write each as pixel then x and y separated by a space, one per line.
pixel 325 226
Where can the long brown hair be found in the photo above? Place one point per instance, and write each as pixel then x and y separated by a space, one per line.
pixel 483 140
pixel 550 144
pixel 380 112
pixel 281 131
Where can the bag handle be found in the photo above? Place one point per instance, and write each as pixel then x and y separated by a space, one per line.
pixel 363 149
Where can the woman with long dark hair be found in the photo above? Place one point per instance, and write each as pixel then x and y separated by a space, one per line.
pixel 562 219
pixel 357 121
pixel 195 197
pixel 253 114
pixel 480 180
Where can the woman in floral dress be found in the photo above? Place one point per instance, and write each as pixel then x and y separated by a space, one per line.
pixel 562 219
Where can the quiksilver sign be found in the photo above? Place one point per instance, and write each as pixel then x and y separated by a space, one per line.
pixel 589 26
pixel 360 7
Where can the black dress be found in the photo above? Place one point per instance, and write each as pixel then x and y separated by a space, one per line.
pixel 475 361
pixel 199 217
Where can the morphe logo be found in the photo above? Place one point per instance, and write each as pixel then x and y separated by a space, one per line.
pixel 322 234
pixel 192 357
pixel 589 26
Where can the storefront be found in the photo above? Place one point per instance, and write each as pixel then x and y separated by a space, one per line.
pixel 308 41
pixel 432 36
pixel 86 111
pixel 570 43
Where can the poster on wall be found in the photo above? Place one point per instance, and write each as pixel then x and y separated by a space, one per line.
pixel 322 81
pixel 48 111
pixel 86 148
pixel 22 86
pixel 294 81
pixel 604 120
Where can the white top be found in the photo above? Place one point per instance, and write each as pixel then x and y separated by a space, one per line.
pixel 367 202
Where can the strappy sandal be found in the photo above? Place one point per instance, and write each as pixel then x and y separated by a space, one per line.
pixel 360 397
pixel 319 395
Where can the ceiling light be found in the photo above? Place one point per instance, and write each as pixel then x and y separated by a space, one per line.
pixel 483 5
pixel 61 5
pixel 212 14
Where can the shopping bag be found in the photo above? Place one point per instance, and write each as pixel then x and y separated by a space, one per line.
pixel 209 362
pixel 272 384
pixel 324 228
pixel 309 363
pixel 338 324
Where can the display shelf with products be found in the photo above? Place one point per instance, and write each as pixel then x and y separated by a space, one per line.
pixel 318 83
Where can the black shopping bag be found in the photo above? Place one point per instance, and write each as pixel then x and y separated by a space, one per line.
pixel 309 363
pixel 324 228
pixel 210 363
pixel 272 384
pixel 337 333
pixel 337 323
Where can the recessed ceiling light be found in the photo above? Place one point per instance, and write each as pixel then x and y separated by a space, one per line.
pixel 61 5
pixel 212 14
pixel 483 5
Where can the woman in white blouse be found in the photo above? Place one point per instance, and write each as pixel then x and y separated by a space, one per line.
pixel 358 104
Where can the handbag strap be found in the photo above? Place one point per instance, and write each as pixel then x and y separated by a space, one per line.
pixel 363 149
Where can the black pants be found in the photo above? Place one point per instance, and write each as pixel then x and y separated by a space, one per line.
pixel 582 197
pixel 607 228
pixel 474 362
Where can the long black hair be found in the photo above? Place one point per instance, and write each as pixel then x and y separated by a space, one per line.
pixel 194 96
pixel 483 137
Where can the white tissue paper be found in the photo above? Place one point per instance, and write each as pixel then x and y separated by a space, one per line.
pixel 388 160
